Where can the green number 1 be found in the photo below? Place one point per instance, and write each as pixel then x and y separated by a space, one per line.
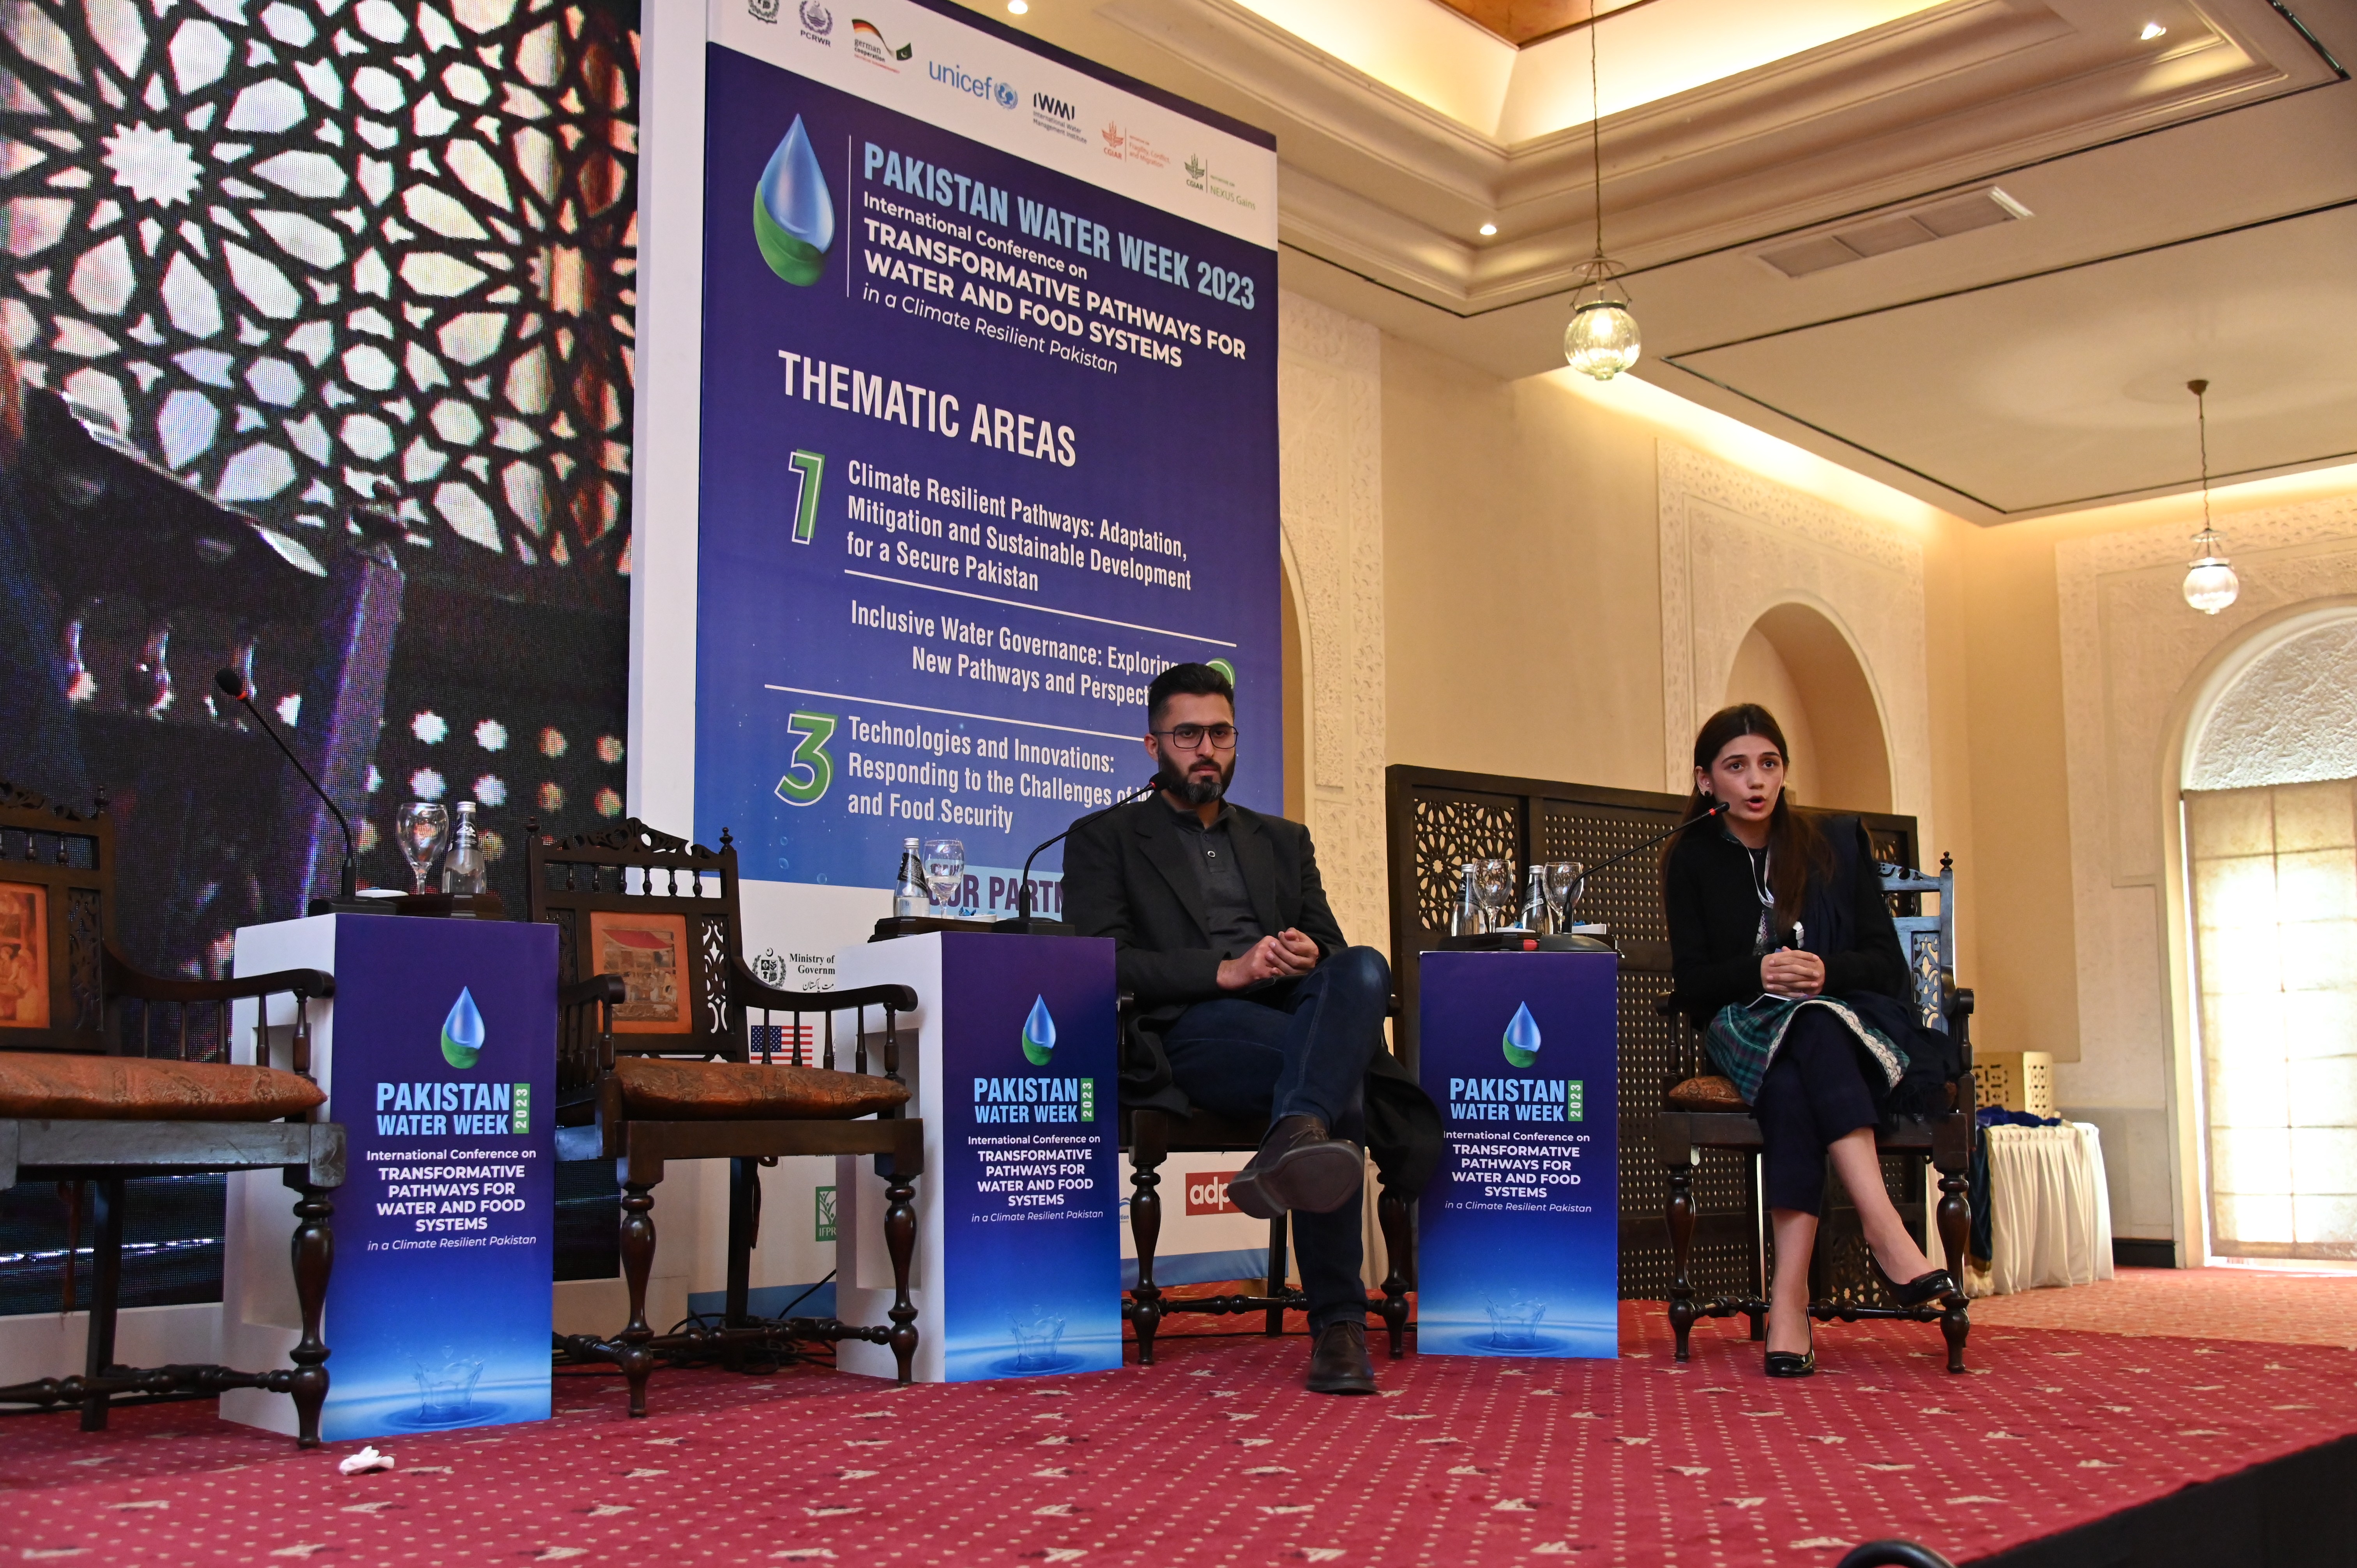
pixel 805 783
pixel 811 466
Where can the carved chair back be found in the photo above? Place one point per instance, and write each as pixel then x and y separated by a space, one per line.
pixel 662 913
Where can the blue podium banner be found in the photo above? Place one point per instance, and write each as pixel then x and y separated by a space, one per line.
pixel 1029 1175
pixel 444 1075
pixel 987 440
pixel 1518 1239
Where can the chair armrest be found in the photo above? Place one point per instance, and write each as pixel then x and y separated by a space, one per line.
pixel 749 990
pixel 610 989
pixel 124 981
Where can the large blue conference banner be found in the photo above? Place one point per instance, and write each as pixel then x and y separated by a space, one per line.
pixel 1518 1238
pixel 989 437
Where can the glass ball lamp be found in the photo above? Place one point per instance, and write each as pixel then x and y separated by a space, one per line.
pixel 2210 583
pixel 1602 338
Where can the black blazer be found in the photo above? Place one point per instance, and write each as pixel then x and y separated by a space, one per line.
pixel 1130 875
pixel 1713 914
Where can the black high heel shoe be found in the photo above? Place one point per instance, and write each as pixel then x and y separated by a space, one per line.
pixel 1917 1291
pixel 1785 1364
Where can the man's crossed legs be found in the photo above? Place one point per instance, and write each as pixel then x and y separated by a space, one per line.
pixel 1301 1060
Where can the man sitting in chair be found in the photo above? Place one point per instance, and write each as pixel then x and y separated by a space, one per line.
pixel 1223 936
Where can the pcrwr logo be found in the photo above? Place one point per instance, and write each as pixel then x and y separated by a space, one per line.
pixel 868 43
pixel 793 210
pixel 817 21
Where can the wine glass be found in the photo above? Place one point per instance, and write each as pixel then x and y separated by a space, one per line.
pixel 945 873
pixel 1494 881
pixel 1565 881
pixel 421 828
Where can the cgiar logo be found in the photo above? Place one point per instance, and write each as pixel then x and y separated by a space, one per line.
pixel 462 1032
pixel 793 211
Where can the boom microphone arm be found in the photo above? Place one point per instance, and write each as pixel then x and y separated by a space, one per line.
pixel 1023 900
pixel 233 686
pixel 1717 809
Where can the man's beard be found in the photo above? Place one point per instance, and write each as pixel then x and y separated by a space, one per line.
pixel 1191 786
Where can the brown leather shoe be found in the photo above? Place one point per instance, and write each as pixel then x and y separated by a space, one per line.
pixel 1337 1360
pixel 1299 1165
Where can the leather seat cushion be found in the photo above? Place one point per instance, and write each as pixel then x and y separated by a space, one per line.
pixel 666 1090
pixel 53 1085
pixel 1710 1091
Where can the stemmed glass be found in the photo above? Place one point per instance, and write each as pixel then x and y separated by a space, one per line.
pixel 421 828
pixel 1493 882
pixel 945 873
pixel 1565 881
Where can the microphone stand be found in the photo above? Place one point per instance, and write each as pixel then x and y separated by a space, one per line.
pixel 348 899
pixel 1023 924
pixel 1717 808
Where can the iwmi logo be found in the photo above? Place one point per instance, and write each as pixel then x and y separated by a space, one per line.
pixel 1055 108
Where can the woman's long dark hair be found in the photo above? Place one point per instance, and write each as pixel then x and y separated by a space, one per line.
pixel 1797 852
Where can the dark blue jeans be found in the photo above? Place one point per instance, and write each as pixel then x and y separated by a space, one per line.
pixel 1300 1049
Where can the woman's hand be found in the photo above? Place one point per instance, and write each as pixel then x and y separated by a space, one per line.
pixel 1792 972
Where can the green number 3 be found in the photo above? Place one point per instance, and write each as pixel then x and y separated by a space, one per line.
pixel 805 783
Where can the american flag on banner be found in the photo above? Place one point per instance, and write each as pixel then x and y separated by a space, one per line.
pixel 786 1045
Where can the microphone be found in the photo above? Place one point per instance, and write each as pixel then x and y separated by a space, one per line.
pixel 1021 924
pixel 233 686
pixel 1717 809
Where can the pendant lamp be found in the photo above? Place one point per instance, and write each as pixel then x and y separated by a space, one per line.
pixel 1601 340
pixel 2210 583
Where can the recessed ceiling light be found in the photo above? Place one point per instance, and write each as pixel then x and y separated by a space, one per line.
pixel 2151 29
pixel 1488 229
pixel 1018 8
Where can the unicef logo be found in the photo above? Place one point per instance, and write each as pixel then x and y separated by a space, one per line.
pixel 1004 94
pixel 816 17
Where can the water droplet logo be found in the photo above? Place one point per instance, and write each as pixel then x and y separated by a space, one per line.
pixel 793 211
pixel 1521 1041
pixel 462 1032
pixel 1038 1034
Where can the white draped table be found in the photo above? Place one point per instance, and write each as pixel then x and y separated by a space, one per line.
pixel 2051 1213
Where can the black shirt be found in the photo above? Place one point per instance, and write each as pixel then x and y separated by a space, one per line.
pixel 1711 896
pixel 1228 917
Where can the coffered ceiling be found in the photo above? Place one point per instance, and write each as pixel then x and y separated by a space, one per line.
pixel 1972 248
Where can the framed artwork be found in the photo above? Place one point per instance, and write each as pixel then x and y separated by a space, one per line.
pixel 24 956
pixel 650 952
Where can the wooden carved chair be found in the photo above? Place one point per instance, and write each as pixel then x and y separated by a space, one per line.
pixel 1150 1136
pixel 661 1057
pixel 106 1074
pixel 1701 1110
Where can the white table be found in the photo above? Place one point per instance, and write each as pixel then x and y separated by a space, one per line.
pixel 2051 1213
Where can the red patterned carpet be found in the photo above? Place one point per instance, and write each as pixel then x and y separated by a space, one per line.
pixel 1218 1456
pixel 2277 1306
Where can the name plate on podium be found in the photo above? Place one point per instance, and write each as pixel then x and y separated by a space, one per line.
pixel 438 1054
pixel 1518 1238
pixel 1019 1248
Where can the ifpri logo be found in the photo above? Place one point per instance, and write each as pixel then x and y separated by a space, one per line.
pixel 793 211
pixel 1038 1034
pixel 462 1032
pixel 1522 1039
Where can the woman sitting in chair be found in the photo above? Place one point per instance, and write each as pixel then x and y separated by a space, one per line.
pixel 1783 943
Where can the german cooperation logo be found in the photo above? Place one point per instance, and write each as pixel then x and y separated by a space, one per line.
pixel 793 210
pixel 868 43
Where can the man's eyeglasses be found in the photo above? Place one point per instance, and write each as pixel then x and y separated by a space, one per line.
pixel 1187 737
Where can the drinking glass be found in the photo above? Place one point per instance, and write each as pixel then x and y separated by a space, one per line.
pixel 1565 881
pixel 1496 880
pixel 421 828
pixel 945 873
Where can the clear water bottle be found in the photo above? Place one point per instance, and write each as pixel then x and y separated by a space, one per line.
pixel 1467 919
pixel 1535 903
pixel 909 895
pixel 463 869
